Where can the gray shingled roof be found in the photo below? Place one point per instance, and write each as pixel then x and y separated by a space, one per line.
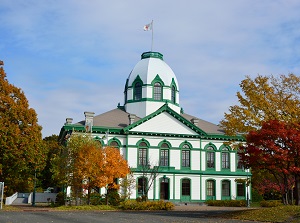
pixel 117 118
pixel 206 126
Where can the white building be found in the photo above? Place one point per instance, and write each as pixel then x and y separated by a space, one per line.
pixel 151 128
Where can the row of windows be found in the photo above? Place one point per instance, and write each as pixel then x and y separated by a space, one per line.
pixel 186 187
pixel 185 156
pixel 157 92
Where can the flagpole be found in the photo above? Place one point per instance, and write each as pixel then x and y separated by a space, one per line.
pixel 152 35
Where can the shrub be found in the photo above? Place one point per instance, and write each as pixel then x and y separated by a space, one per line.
pixel 60 199
pixel 227 203
pixel 256 197
pixel 97 199
pixel 113 198
pixel 147 205
pixel 271 203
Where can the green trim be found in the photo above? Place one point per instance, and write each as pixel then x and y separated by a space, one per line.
pixel 157 79
pixel 116 140
pixel 226 197
pixel 151 54
pixel 185 198
pixel 151 99
pixel 169 185
pixel 166 108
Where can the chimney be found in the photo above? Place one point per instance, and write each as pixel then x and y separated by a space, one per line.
pixel 131 118
pixel 68 121
pixel 195 121
pixel 89 117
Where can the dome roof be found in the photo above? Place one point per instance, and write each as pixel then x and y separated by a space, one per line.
pixel 151 65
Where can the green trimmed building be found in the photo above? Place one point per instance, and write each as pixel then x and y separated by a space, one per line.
pixel 151 129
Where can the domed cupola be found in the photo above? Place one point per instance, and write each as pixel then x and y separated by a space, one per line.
pixel 150 85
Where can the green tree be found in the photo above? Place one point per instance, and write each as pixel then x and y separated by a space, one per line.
pixel 53 149
pixel 21 150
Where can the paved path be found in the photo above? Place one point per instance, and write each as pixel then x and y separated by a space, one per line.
pixel 181 214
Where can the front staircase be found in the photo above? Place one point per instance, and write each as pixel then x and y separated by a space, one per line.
pixel 21 199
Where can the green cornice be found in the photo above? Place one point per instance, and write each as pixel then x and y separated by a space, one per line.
pixel 152 55
pixel 151 99
pixel 172 170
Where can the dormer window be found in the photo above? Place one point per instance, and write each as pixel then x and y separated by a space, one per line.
pixel 173 93
pixel 138 91
pixel 157 91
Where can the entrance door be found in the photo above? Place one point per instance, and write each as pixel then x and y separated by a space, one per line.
pixel 164 189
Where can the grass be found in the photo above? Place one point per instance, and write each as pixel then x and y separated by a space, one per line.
pixel 287 213
pixel 86 208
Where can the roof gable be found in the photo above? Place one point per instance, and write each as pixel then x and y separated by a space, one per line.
pixel 164 121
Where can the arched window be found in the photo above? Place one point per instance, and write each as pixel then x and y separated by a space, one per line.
pixel 114 144
pixel 142 154
pixel 186 187
pixel 164 154
pixel 225 158
pixel 210 188
pixel 157 91
pixel 185 156
pixel 225 188
pixel 138 91
pixel 173 95
pixel 210 157
pixel 142 186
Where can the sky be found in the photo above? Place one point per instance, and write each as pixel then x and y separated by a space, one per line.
pixel 72 56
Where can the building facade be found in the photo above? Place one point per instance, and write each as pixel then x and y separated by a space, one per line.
pixel 190 156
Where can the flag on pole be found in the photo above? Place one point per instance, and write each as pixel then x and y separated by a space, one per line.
pixel 148 26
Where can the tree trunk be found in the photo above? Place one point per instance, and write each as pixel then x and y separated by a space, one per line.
pixel 297 189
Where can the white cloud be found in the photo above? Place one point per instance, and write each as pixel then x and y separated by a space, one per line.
pixel 73 56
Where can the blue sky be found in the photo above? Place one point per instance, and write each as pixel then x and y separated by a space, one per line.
pixel 72 56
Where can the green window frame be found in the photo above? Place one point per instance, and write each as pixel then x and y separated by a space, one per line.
pixel 210 188
pixel 241 189
pixel 225 158
pixel 186 187
pixel 210 157
pixel 142 154
pixel 142 183
pixel 138 91
pixel 186 156
pixel 173 94
pixel 157 91
pixel 164 154
pixel 225 188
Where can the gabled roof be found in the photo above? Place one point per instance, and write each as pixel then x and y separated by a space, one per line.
pixel 166 108
pixel 117 121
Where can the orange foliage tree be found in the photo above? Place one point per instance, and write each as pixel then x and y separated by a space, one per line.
pixel 88 165
pixel 21 147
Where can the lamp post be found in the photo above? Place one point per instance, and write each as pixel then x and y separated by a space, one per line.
pixel 34 188
pixel 1 190
pixel 247 184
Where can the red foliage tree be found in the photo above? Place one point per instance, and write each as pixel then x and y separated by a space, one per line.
pixel 276 148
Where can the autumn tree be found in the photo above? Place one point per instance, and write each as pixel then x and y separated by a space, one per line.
pixel 276 148
pixel 85 164
pixel 264 99
pixel 21 150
